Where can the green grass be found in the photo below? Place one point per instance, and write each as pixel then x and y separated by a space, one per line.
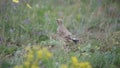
pixel 96 23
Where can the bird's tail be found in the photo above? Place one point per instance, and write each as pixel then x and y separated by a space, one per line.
pixel 75 40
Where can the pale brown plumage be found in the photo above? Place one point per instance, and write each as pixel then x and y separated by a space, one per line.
pixel 64 33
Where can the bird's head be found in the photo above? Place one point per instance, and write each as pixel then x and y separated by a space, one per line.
pixel 59 21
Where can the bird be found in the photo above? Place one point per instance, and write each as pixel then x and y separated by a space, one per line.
pixel 64 33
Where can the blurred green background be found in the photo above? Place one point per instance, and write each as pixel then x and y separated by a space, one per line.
pixel 95 22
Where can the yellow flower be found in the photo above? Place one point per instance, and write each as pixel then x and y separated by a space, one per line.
pixel 85 65
pixel 15 1
pixel 75 62
pixel 28 6
pixel 18 66
pixel 63 66
pixel 34 66
pixel 39 54
pixel 48 55
pixel 27 64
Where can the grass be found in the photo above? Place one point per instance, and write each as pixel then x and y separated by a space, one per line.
pixel 96 23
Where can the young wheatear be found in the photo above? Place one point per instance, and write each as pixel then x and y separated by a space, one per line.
pixel 64 33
